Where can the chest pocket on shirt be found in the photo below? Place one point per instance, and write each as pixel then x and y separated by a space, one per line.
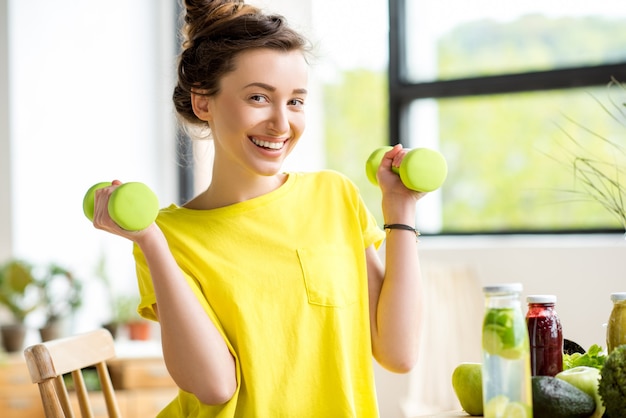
pixel 330 275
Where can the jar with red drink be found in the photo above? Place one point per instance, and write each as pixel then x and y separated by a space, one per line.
pixel 545 335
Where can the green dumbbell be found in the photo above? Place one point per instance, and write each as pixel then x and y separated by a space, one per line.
pixel 422 169
pixel 133 206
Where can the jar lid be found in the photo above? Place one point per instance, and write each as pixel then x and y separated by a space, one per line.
pixel 503 288
pixel 541 299
pixel 618 296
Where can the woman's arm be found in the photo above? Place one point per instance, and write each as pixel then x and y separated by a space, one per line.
pixel 394 289
pixel 195 353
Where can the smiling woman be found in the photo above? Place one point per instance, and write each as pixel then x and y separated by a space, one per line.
pixel 230 320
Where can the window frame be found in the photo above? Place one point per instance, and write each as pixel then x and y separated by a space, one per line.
pixel 402 92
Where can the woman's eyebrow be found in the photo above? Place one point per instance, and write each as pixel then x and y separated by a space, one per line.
pixel 272 88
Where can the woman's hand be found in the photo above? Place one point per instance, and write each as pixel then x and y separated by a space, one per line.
pixel 102 220
pixel 398 201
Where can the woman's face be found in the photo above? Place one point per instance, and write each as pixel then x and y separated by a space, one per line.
pixel 258 115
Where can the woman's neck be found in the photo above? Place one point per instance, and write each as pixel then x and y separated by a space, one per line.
pixel 226 190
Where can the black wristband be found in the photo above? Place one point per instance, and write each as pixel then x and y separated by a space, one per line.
pixel 403 227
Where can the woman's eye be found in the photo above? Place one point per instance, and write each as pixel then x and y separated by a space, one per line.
pixel 296 102
pixel 258 98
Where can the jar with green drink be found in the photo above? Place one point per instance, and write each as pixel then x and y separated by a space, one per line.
pixel 507 389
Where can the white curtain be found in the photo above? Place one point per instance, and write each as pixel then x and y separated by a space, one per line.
pixel 451 335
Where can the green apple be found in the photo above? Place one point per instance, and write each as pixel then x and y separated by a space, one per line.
pixel 586 379
pixel 467 381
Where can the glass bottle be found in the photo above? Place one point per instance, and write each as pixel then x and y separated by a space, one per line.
pixel 545 336
pixel 616 328
pixel 506 358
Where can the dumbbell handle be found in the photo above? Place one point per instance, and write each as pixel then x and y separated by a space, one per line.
pixel 422 169
pixel 133 206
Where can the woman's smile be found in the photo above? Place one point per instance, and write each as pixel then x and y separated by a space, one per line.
pixel 271 145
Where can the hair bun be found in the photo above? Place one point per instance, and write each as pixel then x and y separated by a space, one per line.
pixel 201 15
pixel 197 10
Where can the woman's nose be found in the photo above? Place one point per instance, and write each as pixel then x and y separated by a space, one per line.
pixel 279 120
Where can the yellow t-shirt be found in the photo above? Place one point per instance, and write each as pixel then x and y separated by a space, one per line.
pixel 283 276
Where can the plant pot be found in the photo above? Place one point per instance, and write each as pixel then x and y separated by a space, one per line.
pixel 13 337
pixel 139 330
pixel 112 327
pixel 51 331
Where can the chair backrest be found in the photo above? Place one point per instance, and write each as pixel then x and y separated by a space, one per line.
pixel 49 361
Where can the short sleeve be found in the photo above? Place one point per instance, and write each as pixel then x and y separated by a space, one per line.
pixel 372 233
pixel 147 297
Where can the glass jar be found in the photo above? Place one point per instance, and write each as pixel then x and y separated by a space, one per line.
pixel 545 336
pixel 616 327
pixel 506 359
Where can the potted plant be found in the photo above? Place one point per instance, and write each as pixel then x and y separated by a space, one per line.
pixel 126 315
pixel 121 313
pixel 61 296
pixel 19 296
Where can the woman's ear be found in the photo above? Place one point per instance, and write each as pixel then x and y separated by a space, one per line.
pixel 200 105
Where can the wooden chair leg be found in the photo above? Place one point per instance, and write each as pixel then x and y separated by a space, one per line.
pixel 52 406
pixel 108 391
pixel 82 394
pixel 63 397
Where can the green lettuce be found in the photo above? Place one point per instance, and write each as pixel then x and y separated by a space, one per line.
pixel 594 357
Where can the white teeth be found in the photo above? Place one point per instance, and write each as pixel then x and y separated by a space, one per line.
pixel 267 144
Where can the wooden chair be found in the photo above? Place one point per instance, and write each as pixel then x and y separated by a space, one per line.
pixel 49 361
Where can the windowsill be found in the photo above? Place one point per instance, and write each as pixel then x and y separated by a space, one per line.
pixel 138 349
pixel 451 242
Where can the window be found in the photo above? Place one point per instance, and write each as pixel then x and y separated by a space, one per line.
pixel 504 91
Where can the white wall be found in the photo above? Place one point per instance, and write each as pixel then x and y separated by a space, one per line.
pixel 5 148
pixel 581 270
pixel 89 94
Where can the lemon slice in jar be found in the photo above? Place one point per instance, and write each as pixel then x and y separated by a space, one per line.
pixel 496 406
pixel 492 342
pixel 516 410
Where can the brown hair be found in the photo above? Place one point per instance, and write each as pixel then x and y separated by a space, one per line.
pixel 213 34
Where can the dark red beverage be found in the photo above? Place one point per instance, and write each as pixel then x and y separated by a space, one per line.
pixel 545 336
